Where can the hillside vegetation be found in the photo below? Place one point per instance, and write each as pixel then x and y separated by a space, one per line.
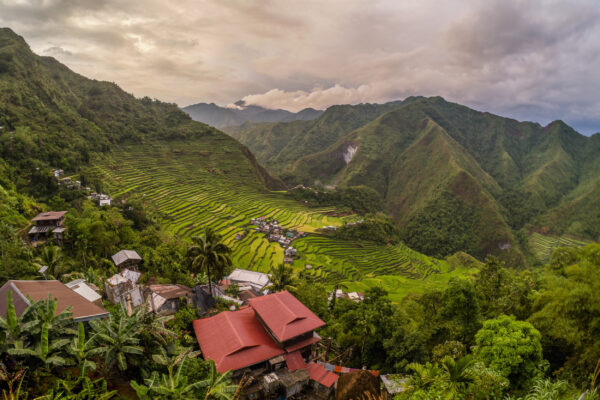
pixel 50 115
pixel 451 177
pixel 188 195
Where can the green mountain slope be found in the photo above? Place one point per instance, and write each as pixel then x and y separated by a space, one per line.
pixel 53 116
pixel 439 165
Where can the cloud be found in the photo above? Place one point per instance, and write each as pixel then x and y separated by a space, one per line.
pixel 527 59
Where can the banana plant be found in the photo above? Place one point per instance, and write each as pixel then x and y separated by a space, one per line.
pixel 170 386
pixel 82 351
pixel 218 386
pixel 49 352
pixel 118 339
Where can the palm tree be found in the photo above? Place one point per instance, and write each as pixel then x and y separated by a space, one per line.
pixel 424 375
pixel 210 255
pixel 459 376
pixel 118 339
pixel 51 256
pixel 282 278
pixel 218 385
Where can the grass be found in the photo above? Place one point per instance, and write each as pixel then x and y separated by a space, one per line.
pixel 195 184
pixel 544 245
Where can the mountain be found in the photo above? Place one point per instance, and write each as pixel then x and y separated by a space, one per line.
pixel 52 116
pixel 221 117
pixel 452 177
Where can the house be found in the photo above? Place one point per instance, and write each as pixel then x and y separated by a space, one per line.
pixel 204 300
pixel 104 200
pixel 127 259
pixel 24 292
pixel 288 260
pixel 244 277
pixel 291 252
pixel 165 299
pixel 87 290
pixel 235 340
pixel 289 322
pixel 46 223
pixel 356 296
pixel 271 326
pixel 123 288
pixel 323 381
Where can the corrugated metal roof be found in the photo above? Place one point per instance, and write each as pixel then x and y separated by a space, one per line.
pixel 318 373
pixel 125 255
pixel 294 361
pixel 81 287
pixel 48 216
pixel 81 308
pixel 234 340
pixel 285 316
pixel 258 279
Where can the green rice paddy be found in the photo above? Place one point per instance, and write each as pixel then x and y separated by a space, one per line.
pixel 193 185
pixel 543 246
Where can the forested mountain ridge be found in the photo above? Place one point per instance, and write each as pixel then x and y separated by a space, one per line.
pixel 53 116
pixel 453 178
pixel 221 117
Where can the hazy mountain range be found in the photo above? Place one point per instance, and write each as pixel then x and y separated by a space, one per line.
pixel 221 117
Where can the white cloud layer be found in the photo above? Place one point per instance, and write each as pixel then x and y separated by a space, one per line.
pixel 534 59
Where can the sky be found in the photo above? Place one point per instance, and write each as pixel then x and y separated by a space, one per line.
pixel 531 60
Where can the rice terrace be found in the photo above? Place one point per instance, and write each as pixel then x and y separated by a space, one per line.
pixel 189 193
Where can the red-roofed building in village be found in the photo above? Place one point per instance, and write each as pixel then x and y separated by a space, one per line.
pixel 235 340
pixel 289 322
pixel 273 328
pixel 322 379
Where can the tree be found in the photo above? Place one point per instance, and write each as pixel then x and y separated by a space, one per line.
pixel 282 278
pixel 458 374
pixel 218 386
pixel 118 338
pixel 210 255
pixel 82 350
pixel 512 348
pixel 52 257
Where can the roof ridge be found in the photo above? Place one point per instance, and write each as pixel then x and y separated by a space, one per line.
pixel 237 335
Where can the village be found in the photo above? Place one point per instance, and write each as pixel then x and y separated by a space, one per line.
pixel 267 338
pixel 278 234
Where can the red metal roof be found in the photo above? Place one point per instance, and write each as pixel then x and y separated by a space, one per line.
pixel 235 339
pixel 294 361
pixel 319 374
pixel 284 315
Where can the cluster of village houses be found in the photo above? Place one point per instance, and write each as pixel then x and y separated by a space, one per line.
pixel 101 199
pixel 269 337
pixel 278 234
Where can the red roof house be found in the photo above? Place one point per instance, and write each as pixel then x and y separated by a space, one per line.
pixel 235 340
pixel 319 374
pixel 285 317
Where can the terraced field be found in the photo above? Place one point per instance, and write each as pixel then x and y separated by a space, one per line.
pixel 543 246
pixel 193 186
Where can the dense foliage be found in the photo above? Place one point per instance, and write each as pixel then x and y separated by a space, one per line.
pixel 357 199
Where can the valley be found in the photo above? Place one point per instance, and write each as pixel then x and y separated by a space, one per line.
pixel 195 184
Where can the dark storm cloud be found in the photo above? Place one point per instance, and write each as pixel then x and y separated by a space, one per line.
pixel 526 59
